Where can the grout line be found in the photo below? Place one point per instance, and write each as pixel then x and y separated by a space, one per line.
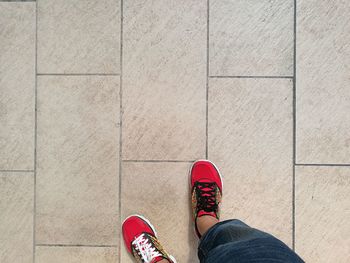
pixel 323 164
pixel 73 245
pixel 35 126
pixel 294 88
pixel 293 210
pixel 120 126
pixel 158 161
pixel 17 1
pixel 294 124
pixel 253 77
pixel 76 74
pixel 16 171
pixel 207 88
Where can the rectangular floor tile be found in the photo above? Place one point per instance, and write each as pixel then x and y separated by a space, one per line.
pixel 251 37
pixel 17 85
pixel 16 217
pixel 323 97
pixel 251 140
pixel 77 163
pixel 160 192
pixel 164 79
pixel 76 254
pixel 78 36
pixel 322 214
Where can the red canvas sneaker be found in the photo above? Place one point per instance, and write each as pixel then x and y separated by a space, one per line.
pixel 141 241
pixel 206 190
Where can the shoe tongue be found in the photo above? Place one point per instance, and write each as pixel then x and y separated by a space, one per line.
pixel 202 212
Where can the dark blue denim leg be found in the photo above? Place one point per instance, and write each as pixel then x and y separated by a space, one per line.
pixel 234 241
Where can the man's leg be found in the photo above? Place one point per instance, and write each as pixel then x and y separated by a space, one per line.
pixel 204 223
pixel 232 241
pixel 229 241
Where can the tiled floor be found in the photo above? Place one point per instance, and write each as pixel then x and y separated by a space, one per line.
pixel 104 105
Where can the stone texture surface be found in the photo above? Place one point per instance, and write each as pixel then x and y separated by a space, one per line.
pixel 323 79
pixel 250 139
pixel 17 85
pixel 164 79
pixel 164 90
pixel 160 192
pixel 249 37
pixel 78 36
pixel 77 163
pixel 76 254
pixel 322 214
pixel 16 217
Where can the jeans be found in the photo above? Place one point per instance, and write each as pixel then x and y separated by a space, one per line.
pixel 233 241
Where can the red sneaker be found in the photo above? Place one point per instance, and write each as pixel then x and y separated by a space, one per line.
pixel 206 190
pixel 141 240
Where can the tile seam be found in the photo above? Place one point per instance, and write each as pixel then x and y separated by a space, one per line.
pixel 16 171
pixel 35 128
pixel 294 121
pixel 121 6
pixel 158 161
pixel 252 77
pixel 76 74
pixel 207 88
pixel 73 245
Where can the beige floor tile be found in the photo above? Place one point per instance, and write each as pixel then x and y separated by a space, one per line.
pixel 17 85
pixel 164 79
pixel 323 97
pixel 250 139
pixel 160 192
pixel 76 254
pixel 16 217
pixel 322 214
pixel 77 163
pixel 251 37
pixel 78 36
